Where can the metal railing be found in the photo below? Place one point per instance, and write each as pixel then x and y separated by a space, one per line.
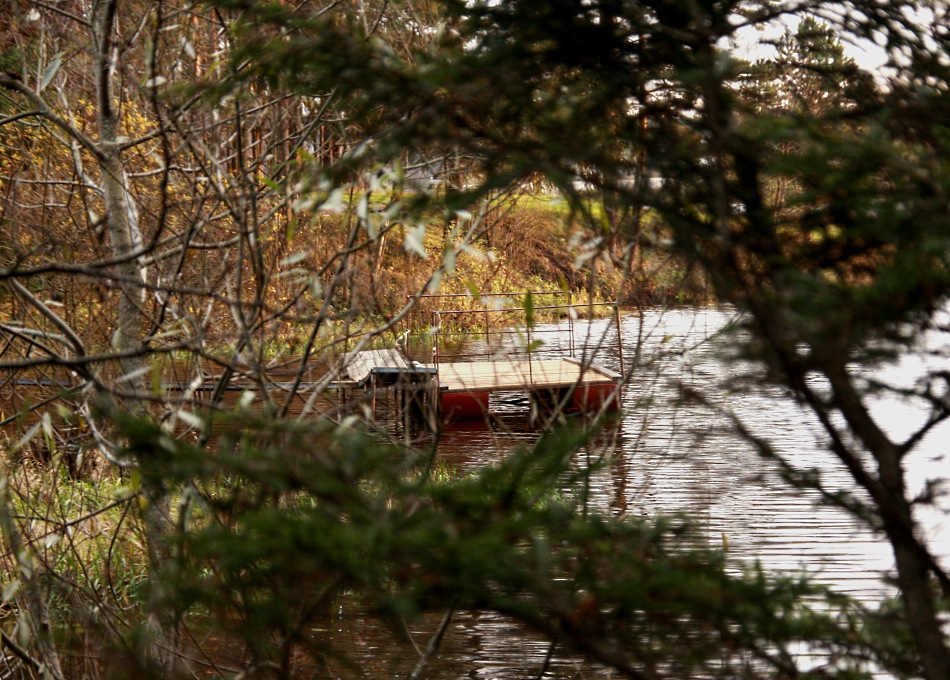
pixel 510 329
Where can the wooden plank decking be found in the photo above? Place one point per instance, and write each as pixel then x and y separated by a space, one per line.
pixel 360 365
pixel 492 376
pixel 464 388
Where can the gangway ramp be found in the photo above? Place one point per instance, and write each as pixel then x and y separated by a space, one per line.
pixel 384 366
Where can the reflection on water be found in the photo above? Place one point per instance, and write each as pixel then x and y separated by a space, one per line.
pixel 673 457
pixel 476 645
pixel 666 456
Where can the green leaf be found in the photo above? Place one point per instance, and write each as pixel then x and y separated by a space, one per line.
pixel 413 243
pixel 28 437
pixel 472 288
pixel 24 632
pixel 268 182
pixel 191 419
pixel 291 260
pixel 10 590
pixel 51 70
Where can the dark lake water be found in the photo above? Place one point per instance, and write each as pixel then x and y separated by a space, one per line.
pixel 669 457
pixel 664 456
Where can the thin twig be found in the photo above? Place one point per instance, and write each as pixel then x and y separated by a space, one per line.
pixel 434 643
pixel 547 661
pixel 18 651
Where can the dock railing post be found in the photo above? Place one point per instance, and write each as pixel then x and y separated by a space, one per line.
pixel 623 372
pixel 530 369
pixel 570 324
pixel 487 331
pixel 436 331
pixel 372 403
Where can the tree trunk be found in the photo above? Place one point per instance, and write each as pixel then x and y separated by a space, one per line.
pixel 161 647
pixel 121 216
pixel 917 587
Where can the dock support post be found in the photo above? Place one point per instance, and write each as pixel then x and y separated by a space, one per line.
pixel 372 398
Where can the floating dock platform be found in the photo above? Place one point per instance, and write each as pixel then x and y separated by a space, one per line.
pixel 462 390
pixel 501 358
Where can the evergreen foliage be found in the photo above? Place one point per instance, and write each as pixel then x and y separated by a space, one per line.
pixel 810 195
pixel 284 523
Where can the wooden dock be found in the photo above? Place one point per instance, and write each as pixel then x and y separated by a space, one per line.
pixel 464 388
pixel 503 357
pixel 479 376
